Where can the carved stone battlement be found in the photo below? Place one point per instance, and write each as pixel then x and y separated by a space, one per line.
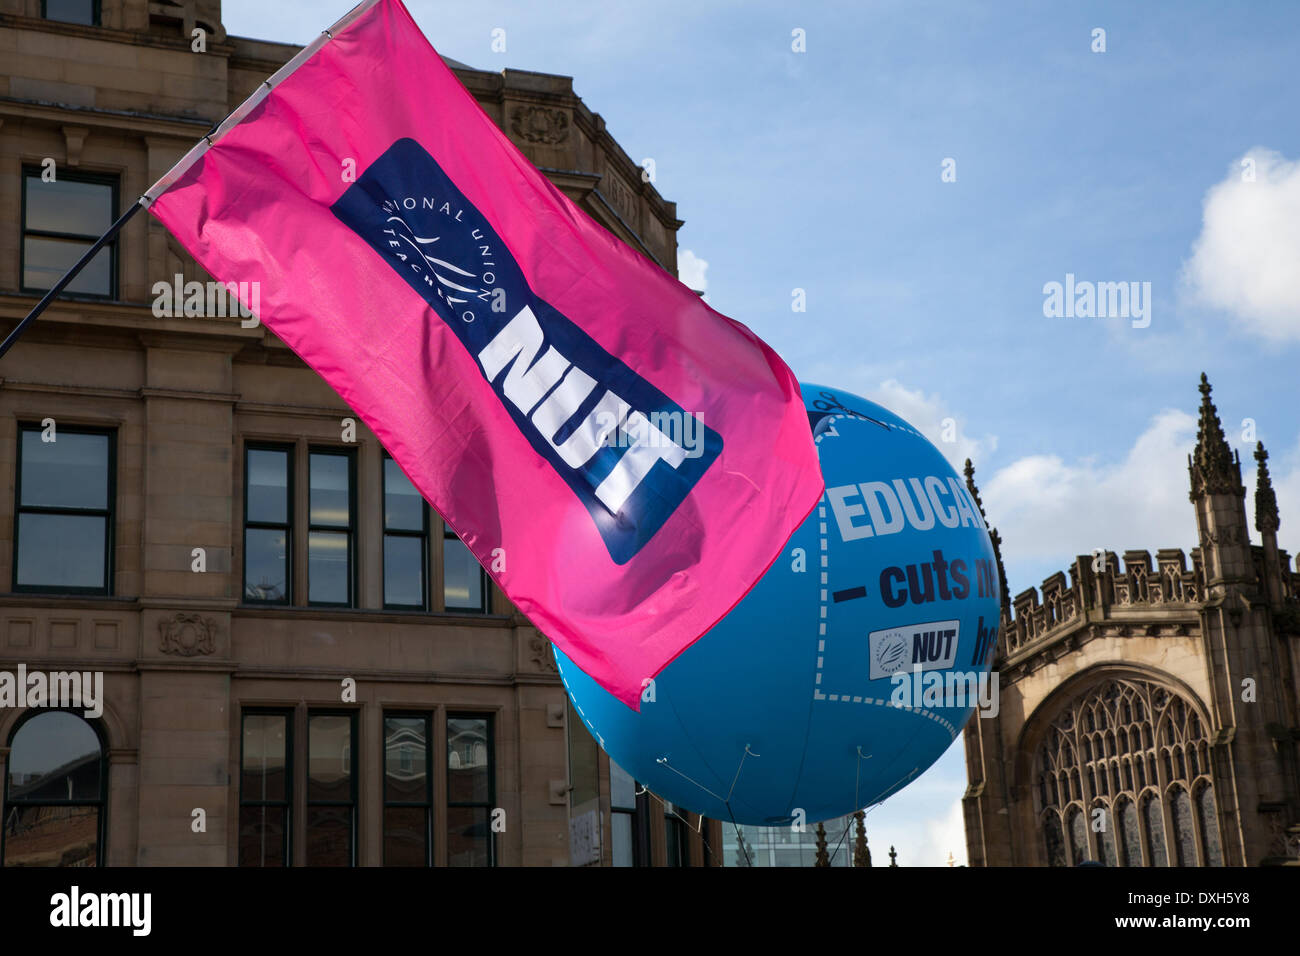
pixel 1140 582
pixel 1166 582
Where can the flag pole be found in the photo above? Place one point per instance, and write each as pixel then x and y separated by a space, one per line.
pixel 236 117
pixel 71 274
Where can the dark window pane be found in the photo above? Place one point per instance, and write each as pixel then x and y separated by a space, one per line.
pixel 268 486
pixel 61 551
pixel 462 577
pixel 1209 826
pixel 1180 809
pixel 330 491
pixel 46 260
pixel 55 756
pixel 327 567
pixel 406 777
pixel 403 506
pixel 329 761
pixel 52 836
pixel 1106 837
pixel 467 760
pixel 65 205
pixel 266 565
pixel 1132 838
pixel 70 472
pixel 1154 820
pixel 675 849
pixel 1078 837
pixel 467 836
pixel 1054 840
pixel 403 571
pixel 71 11
pixel 261 835
pixel 264 757
pixel 406 836
pixel 329 836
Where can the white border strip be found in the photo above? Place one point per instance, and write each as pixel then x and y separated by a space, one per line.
pixel 241 112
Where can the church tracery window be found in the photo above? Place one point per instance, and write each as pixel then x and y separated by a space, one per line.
pixel 1117 761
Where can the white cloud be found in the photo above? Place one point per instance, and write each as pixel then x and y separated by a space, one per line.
pixel 691 270
pixel 1049 510
pixel 1046 508
pixel 931 416
pixel 944 836
pixel 1245 259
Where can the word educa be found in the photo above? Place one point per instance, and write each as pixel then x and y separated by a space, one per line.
pixel 920 503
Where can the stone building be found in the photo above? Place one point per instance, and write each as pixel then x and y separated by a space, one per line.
pixel 1148 710
pixel 300 664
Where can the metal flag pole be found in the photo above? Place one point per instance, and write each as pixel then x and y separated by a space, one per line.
pixel 234 119
pixel 68 276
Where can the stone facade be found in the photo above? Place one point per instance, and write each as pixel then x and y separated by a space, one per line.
pixel 182 654
pixel 1148 709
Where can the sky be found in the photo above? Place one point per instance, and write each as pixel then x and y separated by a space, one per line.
pixel 923 171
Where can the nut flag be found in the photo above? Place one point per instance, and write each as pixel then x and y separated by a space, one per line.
pixel 624 461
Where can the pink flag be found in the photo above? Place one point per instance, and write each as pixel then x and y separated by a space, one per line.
pixel 624 461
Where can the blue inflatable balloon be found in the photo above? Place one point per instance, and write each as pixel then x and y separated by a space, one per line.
pixel 854 662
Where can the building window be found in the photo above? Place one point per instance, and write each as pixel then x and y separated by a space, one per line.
pixel 470 791
pixel 464 582
pixel 55 792
pixel 406 542
pixel 1116 732
pixel 331 530
pixel 72 11
pixel 675 830
pixel 408 790
pixel 331 789
pixel 629 837
pixel 265 788
pixel 268 524
pixel 63 537
pixel 61 221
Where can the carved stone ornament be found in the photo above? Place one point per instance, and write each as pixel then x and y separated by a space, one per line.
pixel 188 635
pixel 537 124
pixel 541 654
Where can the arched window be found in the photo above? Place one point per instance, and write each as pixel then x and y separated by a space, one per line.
pixel 1053 839
pixel 1155 830
pixel 55 792
pixel 1132 836
pixel 1180 811
pixel 1209 820
pixel 1110 739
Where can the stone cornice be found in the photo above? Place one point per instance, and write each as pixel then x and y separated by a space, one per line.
pixel 188 128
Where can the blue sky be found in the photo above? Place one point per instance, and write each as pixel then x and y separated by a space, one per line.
pixel 821 170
